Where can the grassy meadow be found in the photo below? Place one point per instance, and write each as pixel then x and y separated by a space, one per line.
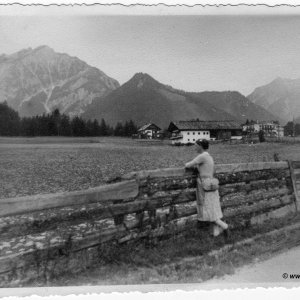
pixel 46 165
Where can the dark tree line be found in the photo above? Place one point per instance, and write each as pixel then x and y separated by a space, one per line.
pixel 292 129
pixel 57 124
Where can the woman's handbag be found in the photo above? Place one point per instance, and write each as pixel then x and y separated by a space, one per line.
pixel 210 184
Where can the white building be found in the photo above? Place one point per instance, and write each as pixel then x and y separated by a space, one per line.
pixel 269 128
pixel 185 132
pixel 254 127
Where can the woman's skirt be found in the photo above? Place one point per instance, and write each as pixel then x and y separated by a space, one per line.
pixel 208 204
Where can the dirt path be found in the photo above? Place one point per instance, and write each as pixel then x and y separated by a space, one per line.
pixel 268 271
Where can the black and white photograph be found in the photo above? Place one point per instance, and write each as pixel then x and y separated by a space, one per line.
pixel 149 146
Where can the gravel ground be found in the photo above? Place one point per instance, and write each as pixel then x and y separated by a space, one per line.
pixel 277 269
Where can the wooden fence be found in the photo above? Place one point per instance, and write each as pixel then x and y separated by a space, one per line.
pixel 50 234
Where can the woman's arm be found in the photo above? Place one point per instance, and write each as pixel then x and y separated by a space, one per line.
pixel 196 161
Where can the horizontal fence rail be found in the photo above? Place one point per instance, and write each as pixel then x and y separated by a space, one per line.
pixel 144 204
pixel 116 191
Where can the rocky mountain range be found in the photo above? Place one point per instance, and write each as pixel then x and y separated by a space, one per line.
pixel 37 81
pixel 143 99
pixel 34 81
pixel 280 97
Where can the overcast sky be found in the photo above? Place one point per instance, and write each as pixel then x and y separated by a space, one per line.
pixel 194 53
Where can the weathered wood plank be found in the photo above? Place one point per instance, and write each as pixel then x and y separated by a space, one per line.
pixel 167 172
pixel 149 186
pixel 295 164
pixel 20 205
pixel 296 171
pixel 221 168
pixel 233 200
pixel 153 185
pixel 254 185
pixel 227 178
pixel 120 234
pixel 262 203
pixel 293 178
pixel 189 217
pixel 259 206
pixel 34 223
pixel 241 167
pixel 276 213
pixel 171 228
pixel 297 176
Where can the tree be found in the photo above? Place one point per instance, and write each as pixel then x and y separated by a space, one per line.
pixel 261 136
pixel 65 126
pixel 119 130
pixel 9 121
pixel 42 123
pixel 297 129
pixel 131 128
pixel 78 127
pixel 29 126
pixel 89 128
pixel 103 128
pixel 109 130
pixel 95 128
pixel 289 129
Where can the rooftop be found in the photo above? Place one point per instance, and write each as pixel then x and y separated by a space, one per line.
pixel 204 125
pixel 144 127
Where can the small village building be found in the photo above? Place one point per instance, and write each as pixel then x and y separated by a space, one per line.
pixel 271 129
pixel 185 132
pixel 149 131
pixel 253 127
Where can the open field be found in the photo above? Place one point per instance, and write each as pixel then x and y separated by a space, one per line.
pixel 43 165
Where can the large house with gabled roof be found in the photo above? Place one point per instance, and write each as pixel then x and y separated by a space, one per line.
pixel 149 131
pixel 185 132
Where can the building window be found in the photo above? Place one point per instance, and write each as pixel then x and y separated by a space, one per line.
pixel 193 140
pixel 188 140
pixel 199 133
pixel 193 133
pixel 188 133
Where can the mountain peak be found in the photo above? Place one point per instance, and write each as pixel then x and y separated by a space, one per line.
pixel 42 48
pixel 25 52
pixel 141 75
pixel 39 80
pixel 280 97
pixel 142 80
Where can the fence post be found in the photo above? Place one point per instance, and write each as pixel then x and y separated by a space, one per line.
pixel 293 178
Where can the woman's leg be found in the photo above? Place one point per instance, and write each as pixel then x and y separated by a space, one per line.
pixel 222 224
pixel 216 229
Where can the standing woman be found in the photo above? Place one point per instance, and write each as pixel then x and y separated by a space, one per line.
pixel 208 199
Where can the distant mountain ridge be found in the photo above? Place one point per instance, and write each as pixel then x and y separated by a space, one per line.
pixel 281 97
pixel 143 99
pixel 37 81
pixel 34 81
